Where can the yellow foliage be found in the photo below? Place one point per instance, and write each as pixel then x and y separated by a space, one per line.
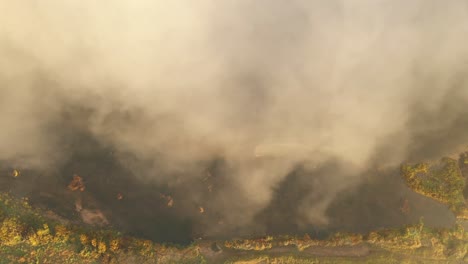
pixel 102 247
pixel 10 232
pixel 459 232
pixel 84 239
pixel 44 235
pixel 41 237
pixel 62 234
pixel 115 245
pixel 250 244
pixel 94 242
pixel 25 203
pixel 147 247
pixel 34 240
pixel 44 232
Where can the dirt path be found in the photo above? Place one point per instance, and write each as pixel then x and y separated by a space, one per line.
pixel 343 251
pixel 219 254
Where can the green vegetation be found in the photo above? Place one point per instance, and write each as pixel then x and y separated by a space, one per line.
pixel 442 181
pixel 27 237
pixel 415 242
pixel 374 259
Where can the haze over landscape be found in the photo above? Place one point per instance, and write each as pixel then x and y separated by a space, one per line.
pixel 271 116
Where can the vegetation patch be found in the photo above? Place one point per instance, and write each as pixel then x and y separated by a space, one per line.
pixel 442 181
pixel 27 237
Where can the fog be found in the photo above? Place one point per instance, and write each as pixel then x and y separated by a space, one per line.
pixel 265 86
